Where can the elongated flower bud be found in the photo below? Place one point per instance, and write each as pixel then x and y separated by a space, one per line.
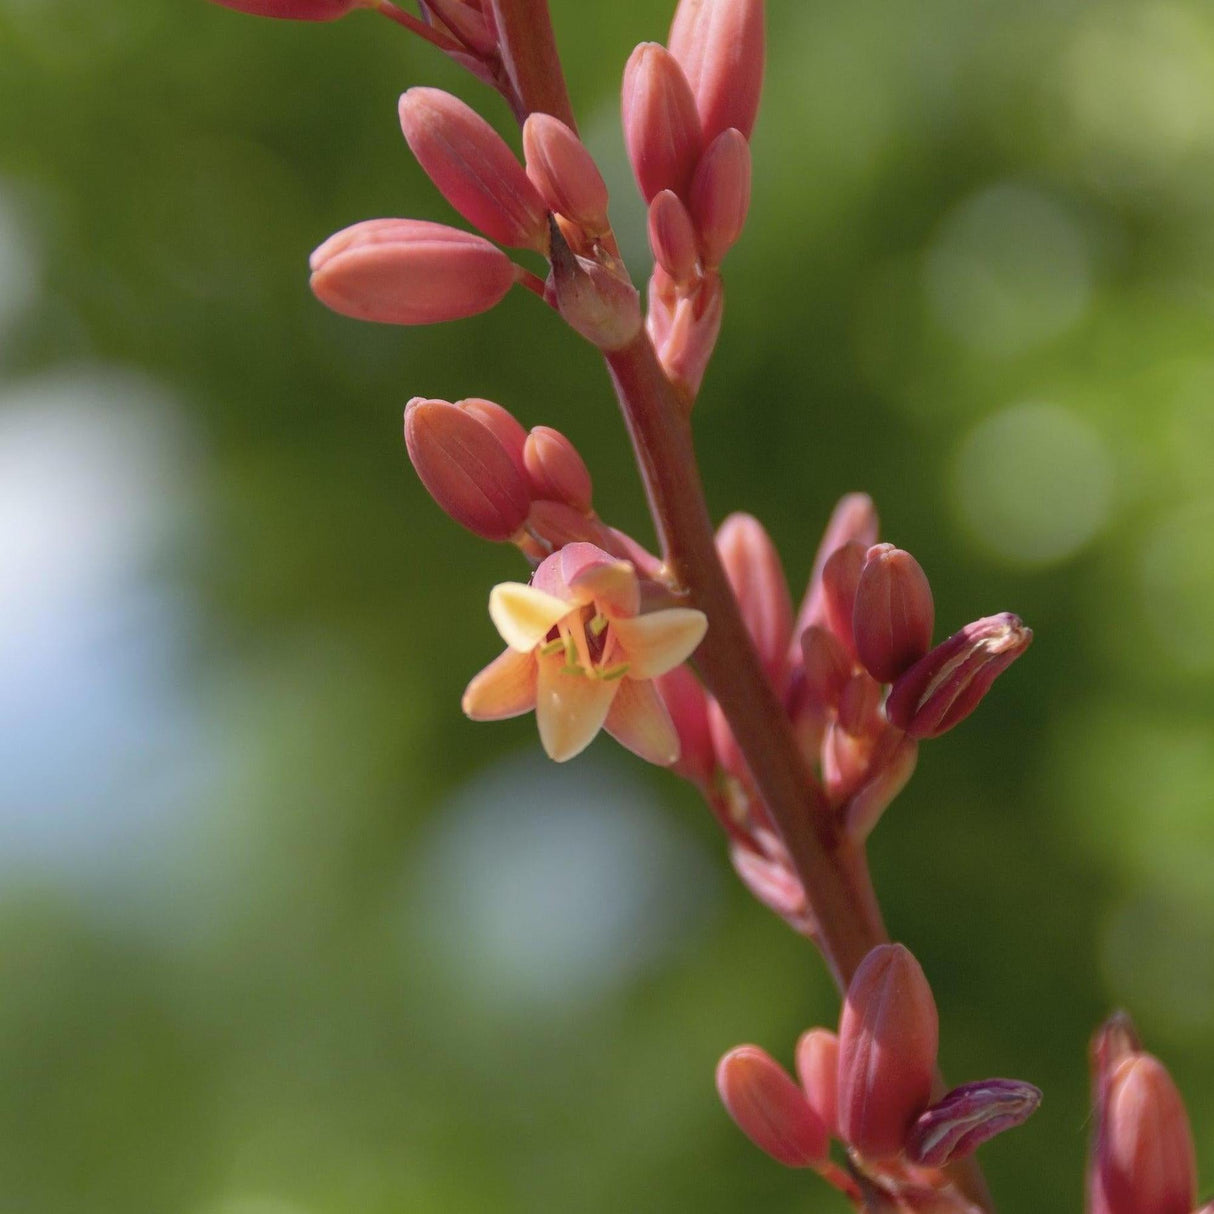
pixel 1145 1154
pixel 826 667
pixel 753 567
pixel 840 580
pixel 719 44
pixel 661 126
pixel 888 1036
pixel 555 469
pixel 818 1071
pixel 968 1116
pixel 467 22
pixel 720 194
pixel 473 168
pixel 853 518
pixel 684 325
pixel 944 687
pixel 466 468
pixel 671 236
pixel 770 1109
pixel 889 770
pixel 687 703
pixel 894 614
pixel 409 272
pixel 295 10
pixel 564 172
pixel 502 422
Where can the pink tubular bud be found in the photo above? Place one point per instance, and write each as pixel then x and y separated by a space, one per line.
pixel 564 172
pixel 720 194
pixel 661 126
pixel 1145 1155
pixel 894 614
pixel 671 236
pixel 409 272
pixel 890 769
pixel 860 707
pixel 753 567
pixel 766 870
pixel 684 326
pixel 967 1117
pixel 502 422
pixel 687 703
pixel 840 580
pixel 473 168
pixel 295 10
pixel 943 688
pixel 853 518
pixel 466 468
pixel 555 469
pixel 770 1109
pixel 593 300
pixel 825 667
pixel 467 22
pixel 719 44
pixel 818 1071
pixel 888 1036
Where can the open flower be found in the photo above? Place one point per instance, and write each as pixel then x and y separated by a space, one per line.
pixel 581 654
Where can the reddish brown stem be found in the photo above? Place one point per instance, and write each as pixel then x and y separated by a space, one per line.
pixel 529 55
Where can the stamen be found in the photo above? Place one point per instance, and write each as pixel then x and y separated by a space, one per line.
pixel 546 651
pixel 613 672
pixel 597 624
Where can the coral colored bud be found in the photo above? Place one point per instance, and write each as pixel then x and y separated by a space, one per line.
pixel 768 873
pixel 770 1109
pixel 720 194
pixel 894 614
pixel 943 688
pixel 753 567
pixel 888 1036
pixel 473 168
pixel 465 467
pixel 719 44
pixel 687 703
pixel 295 10
pixel 409 272
pixel 840 580
pixel 593 300
pixel 967 1117
pixel 684 326
pixel 564 172
pixel 671 236
pixel 661 126
pixel 552 525
pixel 818 1071
pixel 860 706
pixel 555 469
pixel 1145 1154
pixel 467 22
pixel 853 518
pixel 890 768
pixel 503 423
pixel 826 667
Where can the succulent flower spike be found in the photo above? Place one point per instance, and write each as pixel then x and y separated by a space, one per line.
pixel 409 272
pixel 661 126
pixel 297 10
pixel 473 168
pixel 581 654
pixel 770 1109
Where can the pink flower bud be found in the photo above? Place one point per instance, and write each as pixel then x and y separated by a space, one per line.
pixel 592 298
pixel 503 423
pixel 888 1036
pixel 473 168
pixel 840 580
pixel 825 667
pixel 818 1071
pixel 409 272
pixel 889 770
pixel 467 22
pixel 564 172
pixel 295 10
pixel 719 44
pixel 968 1116
pixel 753 567
pixel 769 875
pixel 687 703
pixel 894 614
pixel 671 236
pixel 661 126
pixel 467 470
pixel 770 1109
pixel 555 469
pixel 853 518
pixel 720 194
pixel 860 707
pixel 943 688
pixel 1145 1154
pixel 684 325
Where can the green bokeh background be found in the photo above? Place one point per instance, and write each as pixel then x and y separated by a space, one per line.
pixel 280 931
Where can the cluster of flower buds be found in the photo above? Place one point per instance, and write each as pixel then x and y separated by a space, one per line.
pixel 870 1087
pixel 688 112
pixel 1143 1161
pixel 858 676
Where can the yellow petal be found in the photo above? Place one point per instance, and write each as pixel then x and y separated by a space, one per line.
pixel 523 615
pixel 638 719
pixel 505 688
pixel 570 708
pixel 659 641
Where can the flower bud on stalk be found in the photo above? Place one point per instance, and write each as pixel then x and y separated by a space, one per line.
pixel 687 703
pixel 719 44
pixel 889 770
pixel 888 1036
pixel 770 1109
pixel 555 469
pixel 944 687
pixel 894 614
pixel 967 1117
pixel 765 868
pixel 661 126
pixel 564 172
pixel 840 580
pixel 466 468
pixel 818 1070
pixel 473 168
pixel 409 272
pixel 502 422
pixel 671 236
pixel 296 10
pixel 466 21
pixel 720 195
pixel 684 326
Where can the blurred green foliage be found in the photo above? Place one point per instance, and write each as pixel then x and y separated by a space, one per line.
pixel 978 282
